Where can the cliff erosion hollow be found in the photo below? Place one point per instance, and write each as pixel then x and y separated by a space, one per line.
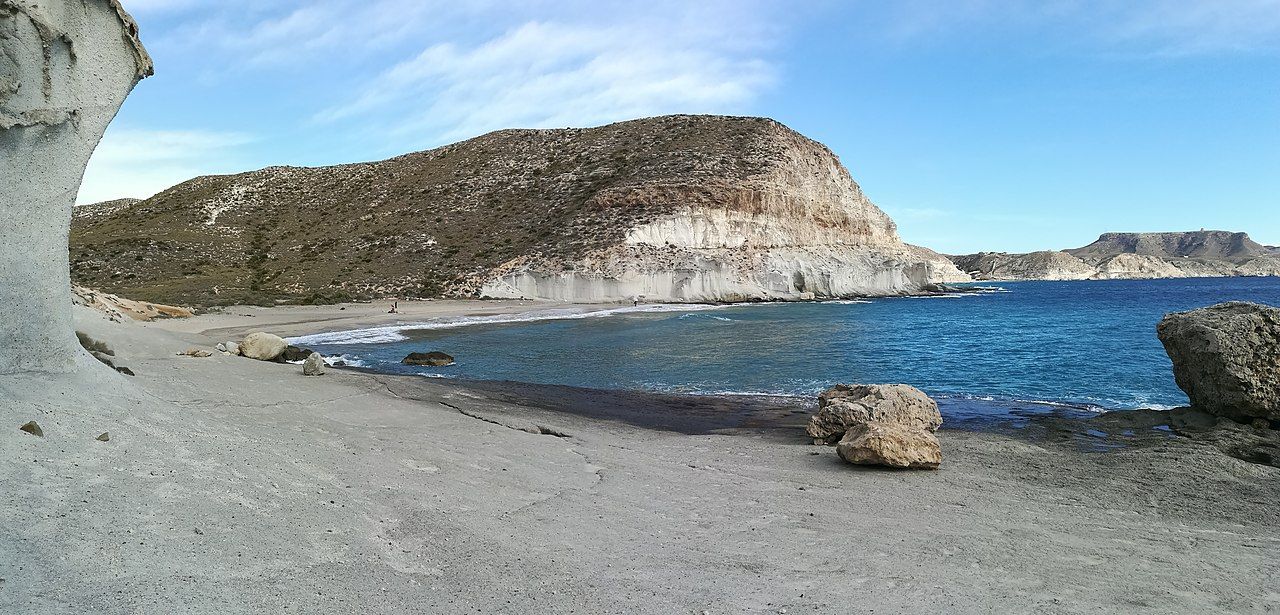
pixel 65 68
pixel 674 208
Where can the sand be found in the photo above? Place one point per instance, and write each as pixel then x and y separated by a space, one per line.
pixel 234 486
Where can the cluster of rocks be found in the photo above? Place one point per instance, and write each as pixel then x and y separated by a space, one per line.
pixel 879 424
pixel 267 347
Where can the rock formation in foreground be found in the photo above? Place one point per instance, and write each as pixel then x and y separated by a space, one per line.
pixel 1227 359
pixel 879 424
pixel 677 208
pixel 1133 256
pixel 65 68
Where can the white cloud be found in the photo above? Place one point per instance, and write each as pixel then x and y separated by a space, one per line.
pixel 139 163
pixel 562 73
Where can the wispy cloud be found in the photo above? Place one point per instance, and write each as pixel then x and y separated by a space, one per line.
pixel 544 74
pixel 139 163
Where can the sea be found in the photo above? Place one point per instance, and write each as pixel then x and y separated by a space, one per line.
pixel 1003 349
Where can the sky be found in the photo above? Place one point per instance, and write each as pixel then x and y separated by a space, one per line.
pixel 978 125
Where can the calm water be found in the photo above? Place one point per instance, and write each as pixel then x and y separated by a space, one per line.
pixel 1085 344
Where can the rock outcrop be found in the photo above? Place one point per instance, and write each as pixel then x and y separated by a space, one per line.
pixel 1132 256
pixel 1227 359
pixel 676 208
pixel 65 68
pixel 434 358
pixel 844 405
pixel 263 346
pixel 891 445
pixel 119 308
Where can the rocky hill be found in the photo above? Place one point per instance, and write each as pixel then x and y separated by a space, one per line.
pixel 1133 256
pixel 677 208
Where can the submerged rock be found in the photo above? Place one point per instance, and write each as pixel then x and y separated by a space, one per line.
pixel 263 346
pixel 844 406
pixel 32 428
pixel 892 445
pixel 1227 359
pixel 104 437
pixel 434 358
pixel 313 365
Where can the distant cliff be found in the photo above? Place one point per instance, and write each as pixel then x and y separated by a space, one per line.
pixel 1133 256
pixel 676 208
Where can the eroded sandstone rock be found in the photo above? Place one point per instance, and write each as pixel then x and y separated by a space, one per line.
pixel 1227 359
pixel 844 406
pixel 263 346
pixel 891 445
pixel 65 68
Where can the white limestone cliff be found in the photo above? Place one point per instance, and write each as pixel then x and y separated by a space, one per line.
pixel 801 230
pixel 65 68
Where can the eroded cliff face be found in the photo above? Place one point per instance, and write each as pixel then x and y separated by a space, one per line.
pixel 65 68
pixel 673 208
pixel 801 229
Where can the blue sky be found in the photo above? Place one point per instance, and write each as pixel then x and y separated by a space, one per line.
pixel 977 124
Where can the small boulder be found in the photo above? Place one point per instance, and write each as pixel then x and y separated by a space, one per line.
pixel 232 348
pixel 104 437
pixel 32 428
pixel 313 365
pixel 195 352
pixel 434 358
pixel 263 346
pixel 1227 359
pixel 844 406
pixel 892 445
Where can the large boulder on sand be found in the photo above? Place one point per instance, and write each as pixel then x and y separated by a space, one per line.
pixel 263 346
pixel 845 405
pixel 887 444
pixel 1227 359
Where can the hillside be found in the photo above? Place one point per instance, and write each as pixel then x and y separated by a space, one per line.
pixel 1208 245
pixel 1133 256
pixel 680 208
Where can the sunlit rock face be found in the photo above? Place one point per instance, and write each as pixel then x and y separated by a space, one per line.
pixel 65 68
pixel 799 228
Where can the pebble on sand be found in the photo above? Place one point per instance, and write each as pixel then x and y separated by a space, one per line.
pixel 32 428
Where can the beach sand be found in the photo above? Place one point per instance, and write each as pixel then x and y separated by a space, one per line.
pixel 235 486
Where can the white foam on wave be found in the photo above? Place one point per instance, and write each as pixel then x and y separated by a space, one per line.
pixel 395 333
pixel 847 301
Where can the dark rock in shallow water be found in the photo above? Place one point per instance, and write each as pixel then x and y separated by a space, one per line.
pixel 293 354
pixel 1227 359
pixel 104 437
pixel 32 428
pixel 434 358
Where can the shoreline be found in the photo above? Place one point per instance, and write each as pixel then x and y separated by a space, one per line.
pixel 299 324
pixel 234 485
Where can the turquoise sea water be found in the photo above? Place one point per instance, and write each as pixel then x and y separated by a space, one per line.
pixel 1089 345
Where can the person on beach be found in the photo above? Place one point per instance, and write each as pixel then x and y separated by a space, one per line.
pixel 394 308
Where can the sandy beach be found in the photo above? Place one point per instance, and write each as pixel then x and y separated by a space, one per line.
pixel 235 486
